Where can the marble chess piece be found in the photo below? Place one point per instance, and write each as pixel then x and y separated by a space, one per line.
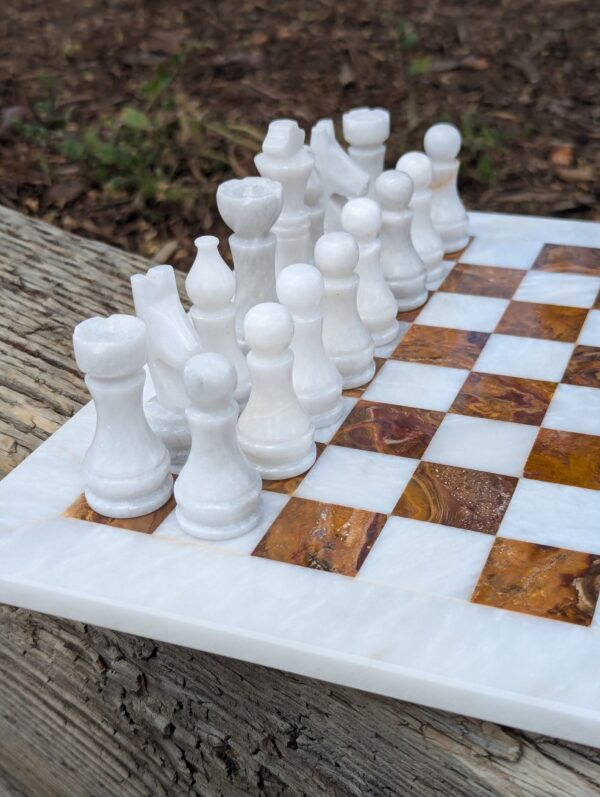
pixel 377 305
pixel 403 269
pixel 346 340
pixel 313 199
pixel 316 380
pixel 275 433
pixel 284 158
pixel 342 178
pixel 126 468
pixel 366 130
pixel 218 490
pixel 442 144
pixel 250 207
pixel 427 240
pixel 172 340
pixel 210 285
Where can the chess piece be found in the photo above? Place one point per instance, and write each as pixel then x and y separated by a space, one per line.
pixel 342 178
pixel 316 380
pixel 377 305
pixel 402 267
pixel 250 207
pixel 172 340
pixel 442 144
pixel 346 340
pixel 218 490
pixel 425 237
pixel 210 285
pixel 126 468
pixel 275 433
pixel 366 130
pixel 285 158
pixel 313 199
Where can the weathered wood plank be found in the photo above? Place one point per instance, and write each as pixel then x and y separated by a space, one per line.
pixel 86 711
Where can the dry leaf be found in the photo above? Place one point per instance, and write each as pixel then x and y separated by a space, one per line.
pixel 562 155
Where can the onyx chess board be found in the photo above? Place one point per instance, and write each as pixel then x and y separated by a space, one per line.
pixel 445 546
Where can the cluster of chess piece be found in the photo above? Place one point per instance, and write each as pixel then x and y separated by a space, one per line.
pixel 327 248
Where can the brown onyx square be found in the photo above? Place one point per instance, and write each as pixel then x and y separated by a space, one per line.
pixel 584 367
pixel 289 486
pixel 565 458
pixel 483 281
pixel 388 429
pixel 569 259
pixel 322 536
pixel 81 510
pixel 356 392
pixel 467 499
pixel 504 398
pixel 597 302
pixel 453 348
pixel 548 321
pixel 537 579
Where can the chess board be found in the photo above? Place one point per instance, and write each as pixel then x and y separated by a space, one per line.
pixel 445 546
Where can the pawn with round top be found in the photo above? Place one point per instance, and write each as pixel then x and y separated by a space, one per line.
pixel 442 144
pixel 402 267
pixel 274 432
pixel 316 380
pixel 377 305
pixel 218 490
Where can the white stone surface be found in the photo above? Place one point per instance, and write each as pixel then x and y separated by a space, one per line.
pixel 459 311
pixel 590 332
pixel 503 253
pixel 508 227
pixel 442 144
pixel 570 290
pixel 325 433
pixel 531 358
pixel 574 409
pixel 431 387
pixel 366 130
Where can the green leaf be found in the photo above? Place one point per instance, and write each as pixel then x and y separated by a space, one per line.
pixel 134 119
pixel 419 66
pixel 73 149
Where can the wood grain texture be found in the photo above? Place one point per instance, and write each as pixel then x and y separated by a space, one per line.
pixel 85 711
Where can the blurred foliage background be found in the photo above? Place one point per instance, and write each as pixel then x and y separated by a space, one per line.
pixel 118 118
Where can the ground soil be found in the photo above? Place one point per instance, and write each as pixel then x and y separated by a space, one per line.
pixel 520 78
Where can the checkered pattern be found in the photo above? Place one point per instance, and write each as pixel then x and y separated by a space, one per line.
pixel 470 466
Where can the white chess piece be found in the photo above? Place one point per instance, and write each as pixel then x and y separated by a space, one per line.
pixel 442 144
pixel 313 199
pixel 275 433
pixel 316 380
pixel 425 237
pixel 126 468
pixel 377 305
pixel 402 267
pixel 346 340
pixel 250 207
pixel 366 130
pixel 210 284
pixel 285 158
pixel 218 490
pixel 172 340
pixel 342 178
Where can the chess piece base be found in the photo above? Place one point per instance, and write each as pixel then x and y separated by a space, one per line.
pixel 329 417
pixel 386 336
pixel 287 470
pixel 454 235
pixel 131 507
pixel 357 378
pixel 206 531
pixel 405 304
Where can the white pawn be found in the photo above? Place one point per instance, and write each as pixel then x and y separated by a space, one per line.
pixel 284 158
pixel 442 144
pixel 366 130
pixel 402 267
pixel 210 285
pixel 377 305
pixel 316 380
pixel 313 199
pixel 427 240
pixel 275 433
pixel 218 490
pixel 346 340
pixel 126 468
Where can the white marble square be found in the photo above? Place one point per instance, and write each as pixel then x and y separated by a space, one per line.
pixel 590 331
pixel 502 253
pixel 482 444
pixel 531 358
pixel 430 387
pixel 574 409
pixel 459 311
pixel 360 479
pixel 427 557
pixel 272 504
pixel 325 434
pixel 569 290
pixel 554 514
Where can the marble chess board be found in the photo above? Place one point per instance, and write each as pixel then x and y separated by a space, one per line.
pixel 443 549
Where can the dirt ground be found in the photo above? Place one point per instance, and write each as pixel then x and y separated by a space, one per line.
pixel 118 118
